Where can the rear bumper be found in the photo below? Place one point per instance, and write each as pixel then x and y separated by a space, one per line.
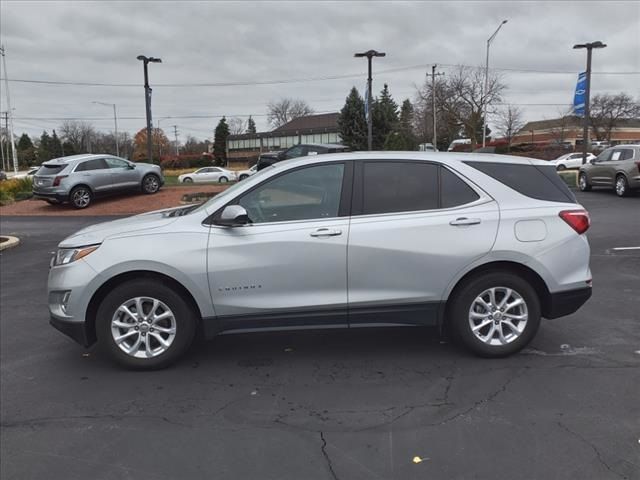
pixel 75 330
pixel 567 302
pixel 60 197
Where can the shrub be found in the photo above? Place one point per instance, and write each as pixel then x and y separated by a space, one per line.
pixel 15 189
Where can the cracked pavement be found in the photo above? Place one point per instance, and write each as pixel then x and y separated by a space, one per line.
pixel 346 404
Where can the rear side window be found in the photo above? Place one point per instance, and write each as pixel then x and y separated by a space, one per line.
pixel 50 169
pixel 539 182
pixel 399 187
pixel 95 164
pixel 454 191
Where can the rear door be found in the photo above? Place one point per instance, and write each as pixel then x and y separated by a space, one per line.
pixel 95 173
pixel 414 226
pixel 122 175
pixel 619 159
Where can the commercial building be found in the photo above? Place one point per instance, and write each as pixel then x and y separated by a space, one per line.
pixel 246 147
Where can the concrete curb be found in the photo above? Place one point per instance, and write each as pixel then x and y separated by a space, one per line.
pixel 10 243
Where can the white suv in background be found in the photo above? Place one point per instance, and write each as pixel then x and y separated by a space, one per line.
pixel 571 160
pixel 484 244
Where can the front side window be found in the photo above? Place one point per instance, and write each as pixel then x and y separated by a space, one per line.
pixel 604 156
pixel 116 163
pixel 294 152
pixel 399 187
pixel 304 194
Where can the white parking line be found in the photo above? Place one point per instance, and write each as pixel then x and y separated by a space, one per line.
pixel 626 248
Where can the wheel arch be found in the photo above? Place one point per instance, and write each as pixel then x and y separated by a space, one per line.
pixel 524 271
pixel 86 185
pixel 106 287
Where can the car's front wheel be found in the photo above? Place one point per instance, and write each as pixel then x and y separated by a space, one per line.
pixel 145 324
pixel 243 176
pixel 583 183
pixel 187 180
pixel 150 183
pixel 561 167
pixel 80 197
pixel 496 314
pixel 223 180
pixel 622 186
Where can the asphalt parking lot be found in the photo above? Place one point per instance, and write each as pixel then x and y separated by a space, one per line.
pixel 345 404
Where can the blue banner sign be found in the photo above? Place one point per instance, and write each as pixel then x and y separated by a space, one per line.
pixel 580 95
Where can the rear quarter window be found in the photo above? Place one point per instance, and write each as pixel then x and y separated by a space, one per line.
pixel 539 182
pixel 50 169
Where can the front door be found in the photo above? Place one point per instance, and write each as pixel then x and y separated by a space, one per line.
pixel 599 168
pixel 122 175
pixel 288 267
pixel 415 226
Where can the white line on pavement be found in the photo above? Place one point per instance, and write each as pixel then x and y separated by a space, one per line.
pixel 626 248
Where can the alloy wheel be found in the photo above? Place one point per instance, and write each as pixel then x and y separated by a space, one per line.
pixel 143 327
pixel 151 184
pixel 81 198
pixel 621 186
pixel 498 316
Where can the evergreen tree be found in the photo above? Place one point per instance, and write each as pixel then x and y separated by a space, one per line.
pixel 251 125
pixel 69 149
pixel 385 117
pixel 24 142
pixel 402 136
pixel 220 142
pixel 44 149
pixel 352 124
pixel 56 146
pixel 26 151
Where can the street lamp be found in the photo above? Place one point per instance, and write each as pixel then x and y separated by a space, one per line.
pixel 115 121
pixel 147 97
pixel 486 85
pixel 585 123
pixel 369 54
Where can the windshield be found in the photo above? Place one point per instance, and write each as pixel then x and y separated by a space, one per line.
pixel 231 190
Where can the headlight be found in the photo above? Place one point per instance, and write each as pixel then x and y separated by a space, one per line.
pixel 67 255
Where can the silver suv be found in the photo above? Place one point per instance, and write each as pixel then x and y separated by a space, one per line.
pixel 77 179
pixel 617 168
pixel 484 244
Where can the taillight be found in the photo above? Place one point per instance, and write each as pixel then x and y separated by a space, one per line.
pixel 577 219
pixel 58 179
pixel 638 165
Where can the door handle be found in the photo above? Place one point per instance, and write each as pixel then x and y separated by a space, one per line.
pixel 464 221
pixel 326 232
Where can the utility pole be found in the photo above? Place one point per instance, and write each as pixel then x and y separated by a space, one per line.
pixel 369 54
pixel 433 76
pixel 147 99
pixel 485 94
pixel 585 123
pixel 4 166
pixel 9 111
pixel 175 132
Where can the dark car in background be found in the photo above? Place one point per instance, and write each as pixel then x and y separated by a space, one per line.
pixel 617 168
pixel 269 158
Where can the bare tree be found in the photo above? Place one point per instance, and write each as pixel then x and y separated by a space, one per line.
pixel 80 135
pixel 607 111
pixel 510 122
pixel 462 97
pixel 236 126
pixel 566 123
pixel 286 109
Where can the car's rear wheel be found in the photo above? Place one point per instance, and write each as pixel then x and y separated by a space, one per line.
pixel 496 314
pixel 150 183
pixel 622 186
pixel 243 176
pixel 223 180
pixel 583 183
pixel 80 197
pixel 144 324
pixel 561 167
pixel 187 180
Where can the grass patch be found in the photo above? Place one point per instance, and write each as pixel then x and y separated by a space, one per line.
pixel 569 177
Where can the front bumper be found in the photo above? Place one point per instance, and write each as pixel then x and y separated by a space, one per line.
pixel 78 331
pixel 567 302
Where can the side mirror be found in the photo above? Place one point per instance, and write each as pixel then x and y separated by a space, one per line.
pixel 233 216
pixel 132 166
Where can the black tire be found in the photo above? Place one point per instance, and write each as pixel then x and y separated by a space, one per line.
pixel 223 180
pixel 459 314
pixel 622 186
pixel 150 184
pixel 561 168
pixel 583 183
pixel 80 197
pixel 187 180
pixel 184 317
pixel 242 177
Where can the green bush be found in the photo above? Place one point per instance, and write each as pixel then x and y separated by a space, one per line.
pixel 15 189
pixel 5 198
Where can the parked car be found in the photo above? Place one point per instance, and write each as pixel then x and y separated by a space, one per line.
pixel 571 160
pixel 78 179
pixel 427 147
pixel 617 168
pixel 600 144
pixel 3 176
pixel 208 174
pixel 459 141
pixel 28 174
pixel 243 174
pixel 269 158
pixel 477 243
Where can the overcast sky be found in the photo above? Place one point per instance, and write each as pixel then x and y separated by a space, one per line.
pixel 244 42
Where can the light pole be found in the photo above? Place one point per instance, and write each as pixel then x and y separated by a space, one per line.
pixel 369 54
pixel 585 124
pixel 147 98
pixel 486 85
pixel 115 121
